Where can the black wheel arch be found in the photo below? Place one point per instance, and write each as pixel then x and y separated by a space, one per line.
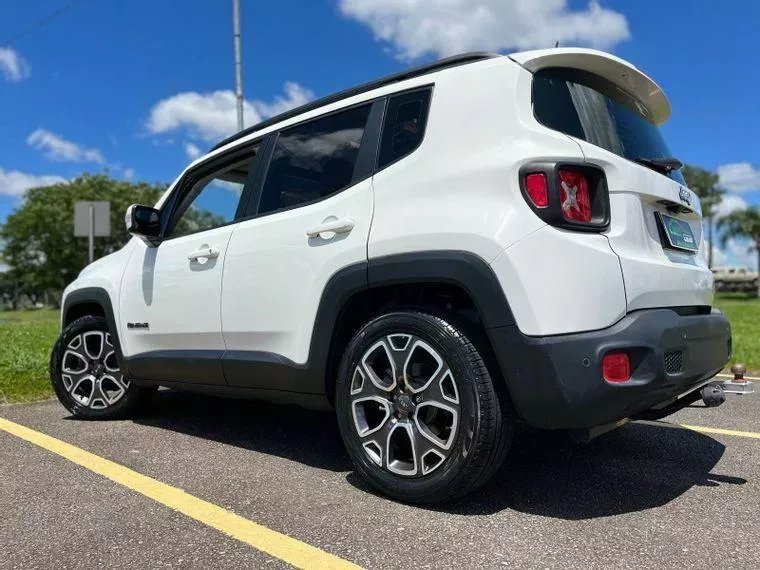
pixel 350 288
pixel 92 301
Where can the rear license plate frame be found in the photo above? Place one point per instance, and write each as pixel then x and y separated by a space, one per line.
pixel 676 233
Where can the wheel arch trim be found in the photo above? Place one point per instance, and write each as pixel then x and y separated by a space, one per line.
pixel 463 269
pixel 94 296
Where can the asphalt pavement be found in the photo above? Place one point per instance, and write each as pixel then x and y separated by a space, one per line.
pixel 642 496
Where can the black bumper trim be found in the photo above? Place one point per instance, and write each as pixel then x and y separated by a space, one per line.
pixel 556 381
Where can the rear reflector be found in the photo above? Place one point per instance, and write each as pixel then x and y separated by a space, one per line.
pixel 574 196
pixel 538 191
pixel 616 367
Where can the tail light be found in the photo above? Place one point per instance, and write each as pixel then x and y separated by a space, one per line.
pixel 574 196
pixel 569 196
pixel 538 191
pixel 616 367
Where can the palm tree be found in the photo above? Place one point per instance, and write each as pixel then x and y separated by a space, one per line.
pixel 743 224
pixel 705 184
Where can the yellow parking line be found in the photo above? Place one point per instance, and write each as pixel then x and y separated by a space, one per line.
pixel 702 429
pixel 286 548
pixel 731 376
pixel 721 431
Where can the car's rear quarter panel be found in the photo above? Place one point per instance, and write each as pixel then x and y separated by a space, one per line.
pixel 459 190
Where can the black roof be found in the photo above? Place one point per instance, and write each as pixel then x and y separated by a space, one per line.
pixel 395 78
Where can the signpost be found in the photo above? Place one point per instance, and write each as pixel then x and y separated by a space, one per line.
pixel 92 219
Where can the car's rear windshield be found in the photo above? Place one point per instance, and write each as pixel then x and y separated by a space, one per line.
pixel 591 108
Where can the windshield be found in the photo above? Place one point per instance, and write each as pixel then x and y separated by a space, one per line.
pixel 591 108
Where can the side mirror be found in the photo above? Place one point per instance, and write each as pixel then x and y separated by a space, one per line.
pixel 145 223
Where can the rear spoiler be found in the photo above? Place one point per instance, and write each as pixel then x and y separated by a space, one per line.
pixel 620 72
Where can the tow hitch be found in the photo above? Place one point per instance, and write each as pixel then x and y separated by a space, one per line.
pixel 738 385
pixel 713 394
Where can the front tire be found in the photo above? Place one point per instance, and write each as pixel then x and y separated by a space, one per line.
pixel 86 375
pixel 418 409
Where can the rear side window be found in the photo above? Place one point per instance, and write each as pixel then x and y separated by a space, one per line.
pixel 404 125
pixel 314 160
pixel 591 108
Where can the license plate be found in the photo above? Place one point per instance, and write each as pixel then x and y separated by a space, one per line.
pixel 677 233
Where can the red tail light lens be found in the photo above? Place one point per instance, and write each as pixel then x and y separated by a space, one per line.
pixel 574 196
pixel 537 189
pixel 616 367
pixel 567 195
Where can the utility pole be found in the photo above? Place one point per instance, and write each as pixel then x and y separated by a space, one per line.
pixel 238 63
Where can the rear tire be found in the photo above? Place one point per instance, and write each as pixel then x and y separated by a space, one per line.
pixel 418 410
pixel 86 375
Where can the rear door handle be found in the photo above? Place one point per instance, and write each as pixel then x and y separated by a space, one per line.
pixel 337 226
pixel 207 252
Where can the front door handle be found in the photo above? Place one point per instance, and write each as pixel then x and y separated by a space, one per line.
pixel 207 252
pixel 336 226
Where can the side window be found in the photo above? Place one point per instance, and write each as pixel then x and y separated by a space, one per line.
pixel 313 160
pixel 404 125
pixel 212 200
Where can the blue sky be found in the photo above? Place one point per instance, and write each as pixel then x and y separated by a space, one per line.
pixel 139 87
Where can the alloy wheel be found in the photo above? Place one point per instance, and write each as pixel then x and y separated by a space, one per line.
pixel 90 372
pixel 405 405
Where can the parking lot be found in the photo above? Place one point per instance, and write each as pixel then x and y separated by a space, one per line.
pixel 645 495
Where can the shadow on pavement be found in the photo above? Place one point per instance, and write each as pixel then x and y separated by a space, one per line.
pixel 634 468
pixel 307 436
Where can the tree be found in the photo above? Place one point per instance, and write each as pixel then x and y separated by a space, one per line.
pixel 705 184
pixel 39 244
pixel 743 224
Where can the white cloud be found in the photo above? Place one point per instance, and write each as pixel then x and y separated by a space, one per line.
pixel 192 151
pixel 212 116
pixel 15 183
pixel 719 258
pixel 14 67
pixel 59 149
pixel 729 203
pixel 415 27
pixel 739 176
pixel 736 252
pixel 295 95
pixel 128 174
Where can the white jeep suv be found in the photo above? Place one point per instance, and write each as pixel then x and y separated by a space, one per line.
pixel 437 255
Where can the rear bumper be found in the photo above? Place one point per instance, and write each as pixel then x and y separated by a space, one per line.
pixel 556 381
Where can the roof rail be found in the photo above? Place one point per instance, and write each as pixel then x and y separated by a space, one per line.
pixel 445 63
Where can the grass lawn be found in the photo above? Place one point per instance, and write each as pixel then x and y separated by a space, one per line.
pixel 26 338
pixel 744 314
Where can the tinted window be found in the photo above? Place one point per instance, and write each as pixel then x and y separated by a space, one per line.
pixel 589 107
pixel 211 201
pixel 404 125
pixel 313 160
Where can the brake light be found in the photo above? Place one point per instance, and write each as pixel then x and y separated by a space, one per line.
pixel 567 195
pixel 616 367
pixel 574 196
pixel 537 189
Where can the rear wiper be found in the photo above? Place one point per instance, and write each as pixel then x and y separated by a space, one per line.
pixel 665 165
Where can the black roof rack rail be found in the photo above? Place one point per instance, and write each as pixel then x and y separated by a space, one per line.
pixel 445 63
